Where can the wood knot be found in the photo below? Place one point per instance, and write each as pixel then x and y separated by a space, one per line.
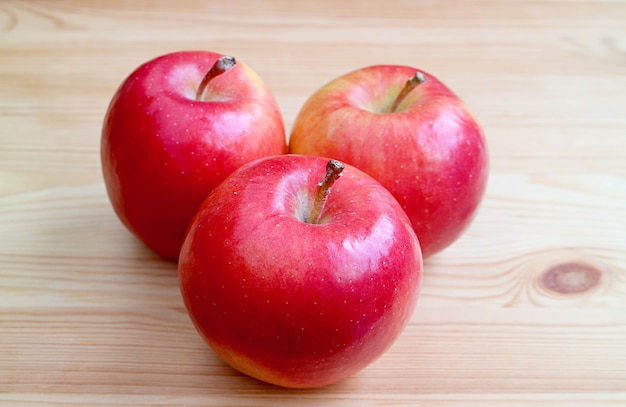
pixel 571 278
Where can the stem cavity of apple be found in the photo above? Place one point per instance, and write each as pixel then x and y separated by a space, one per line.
pixel 333 172
pixel 413 82
pixel 220 66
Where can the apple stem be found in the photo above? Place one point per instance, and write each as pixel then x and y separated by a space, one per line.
pixel 333 171
pixel 220 66
pixel 413 82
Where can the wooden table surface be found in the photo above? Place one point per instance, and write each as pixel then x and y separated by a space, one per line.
pixel 528 307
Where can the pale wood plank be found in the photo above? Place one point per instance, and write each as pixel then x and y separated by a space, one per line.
pixel 90 317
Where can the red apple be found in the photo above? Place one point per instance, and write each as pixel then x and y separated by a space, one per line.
pixel 411 133
pixel 294 283
pixel 175 128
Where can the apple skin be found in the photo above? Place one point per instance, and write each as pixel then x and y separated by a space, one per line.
pixel 292 303
pixel 163 151
pixel 431 153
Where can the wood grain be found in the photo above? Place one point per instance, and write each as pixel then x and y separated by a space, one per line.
pixel 527 308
